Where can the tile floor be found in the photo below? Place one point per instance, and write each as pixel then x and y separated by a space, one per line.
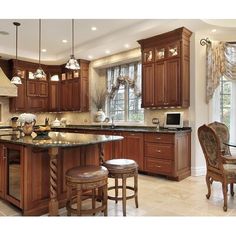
pixel 161 197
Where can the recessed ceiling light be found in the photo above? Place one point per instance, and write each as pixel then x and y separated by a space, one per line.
pixel 90 57
pixel 44 50
pixel 93 28
pixel 65 41
pixel 213 31
pixel 126 45
pixel 107 51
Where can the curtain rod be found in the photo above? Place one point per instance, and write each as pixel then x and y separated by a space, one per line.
pixel 205 41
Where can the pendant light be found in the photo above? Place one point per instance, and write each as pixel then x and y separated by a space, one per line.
pixel 39 74
pixel 16 79
pixel 72 63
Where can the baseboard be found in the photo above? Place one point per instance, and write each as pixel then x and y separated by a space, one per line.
pixel 198 171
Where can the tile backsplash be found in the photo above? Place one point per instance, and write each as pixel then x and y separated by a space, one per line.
pixel 86 118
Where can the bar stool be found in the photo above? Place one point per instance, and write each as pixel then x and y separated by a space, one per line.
pixel 86 179
pixel 123 169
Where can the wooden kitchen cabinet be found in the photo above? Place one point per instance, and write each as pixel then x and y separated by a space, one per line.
pixel 167 154
pixel 75 88
pixel 2 171
pixel 54 95
pixel 165 69
pixel 11 175
pixel 133 147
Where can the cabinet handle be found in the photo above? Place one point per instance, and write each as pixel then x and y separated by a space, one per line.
pixel 158 138
pixel 158 166
pixel 158 150
pixel 4 152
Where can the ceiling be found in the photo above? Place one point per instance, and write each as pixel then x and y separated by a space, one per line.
pixel 111 34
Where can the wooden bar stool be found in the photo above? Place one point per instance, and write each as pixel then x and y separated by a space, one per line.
pixel 83 180
pixel 123 169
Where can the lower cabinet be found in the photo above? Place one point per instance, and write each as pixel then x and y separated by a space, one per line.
pixel 11 175
pixel 168 154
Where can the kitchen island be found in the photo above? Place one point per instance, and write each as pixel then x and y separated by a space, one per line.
pixel 32 168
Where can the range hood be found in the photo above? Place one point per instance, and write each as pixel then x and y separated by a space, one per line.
pixel 7 89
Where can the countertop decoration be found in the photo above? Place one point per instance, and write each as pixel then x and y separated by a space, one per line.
pixel 27 122
pixel 99 101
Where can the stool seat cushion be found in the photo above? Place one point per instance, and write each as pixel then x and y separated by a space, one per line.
pixel 87 173
pixel 120 164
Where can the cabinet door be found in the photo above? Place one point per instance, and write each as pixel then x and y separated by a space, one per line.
pixel 42 88
pixel 148 85
pixel 2 171
pixel 133 147
pixel 14 174
pixel 69 95
pixel 84 92
pixel 54 102
pixel 64 93
pixel 37 104
pixel 117 146
pixel 19 103
pixel 159 84
pixel 32 90
pixel 76 95
pixel 173 82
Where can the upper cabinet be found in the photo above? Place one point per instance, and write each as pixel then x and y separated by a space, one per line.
pixel 61 90
pixel 165 69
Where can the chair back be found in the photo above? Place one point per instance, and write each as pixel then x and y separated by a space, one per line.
pixel 210 144
pixel 223 133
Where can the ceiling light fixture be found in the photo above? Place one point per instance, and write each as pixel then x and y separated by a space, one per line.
pixel 64 40
pixel 44 50
pixel 107 52
pixel 126 45
pixel 93 28
pixel 90 57
pixel 16 79
pixel 213 31
pixel 72 63
pixel 39 74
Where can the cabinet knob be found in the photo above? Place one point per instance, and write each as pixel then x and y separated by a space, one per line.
pixel 158 150
pixel 158 166
pixel 158 138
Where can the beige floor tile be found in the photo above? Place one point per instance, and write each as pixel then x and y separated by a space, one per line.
pixel 159 196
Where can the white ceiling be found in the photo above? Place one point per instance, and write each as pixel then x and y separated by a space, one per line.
pixel 110 35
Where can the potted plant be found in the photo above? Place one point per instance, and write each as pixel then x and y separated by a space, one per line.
pixel 99 101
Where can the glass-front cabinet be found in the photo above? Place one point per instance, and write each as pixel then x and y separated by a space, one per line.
pixel 14 174
pixel 148 55
pixel 173 50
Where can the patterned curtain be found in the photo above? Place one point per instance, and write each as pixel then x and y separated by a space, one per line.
pixel 220 61
pixel 124 75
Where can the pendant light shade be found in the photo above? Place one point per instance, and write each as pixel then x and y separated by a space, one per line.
pixel 16 79
pixel 72 63
pixel 39 74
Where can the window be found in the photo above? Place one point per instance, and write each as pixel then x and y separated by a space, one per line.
pixel 224 105
pixel 124 85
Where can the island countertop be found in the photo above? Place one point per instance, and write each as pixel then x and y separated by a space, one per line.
pixel 57 139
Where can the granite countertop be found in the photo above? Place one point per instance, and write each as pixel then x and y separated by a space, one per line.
pixel 57 139
pixel 124 128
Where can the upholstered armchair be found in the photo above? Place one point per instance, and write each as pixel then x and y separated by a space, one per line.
pixel 217 169
pixel 222 132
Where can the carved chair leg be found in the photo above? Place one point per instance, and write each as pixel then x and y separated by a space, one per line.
pixel 208 182
pixel 232 189
pixel 224 188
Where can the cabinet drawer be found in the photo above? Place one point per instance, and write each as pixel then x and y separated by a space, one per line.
pixel 159 138
pixel 158 166
pixel 159 150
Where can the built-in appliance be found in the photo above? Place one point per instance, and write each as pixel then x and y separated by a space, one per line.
pixel 173 120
